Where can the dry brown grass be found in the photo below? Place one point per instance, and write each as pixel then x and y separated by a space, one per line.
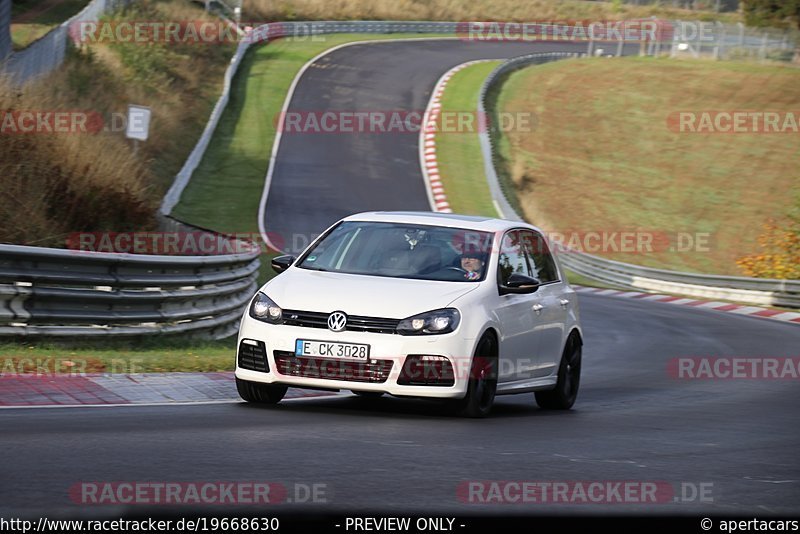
pixel 460 10
pixel 55 184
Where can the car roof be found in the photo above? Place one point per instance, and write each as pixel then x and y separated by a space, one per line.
pixel 454 220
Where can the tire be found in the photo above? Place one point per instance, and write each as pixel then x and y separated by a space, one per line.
pixel 369 394
pixel 563 396
pixel 260 393
pixel 482 382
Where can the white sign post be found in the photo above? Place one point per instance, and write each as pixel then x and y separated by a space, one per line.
pixel 138 126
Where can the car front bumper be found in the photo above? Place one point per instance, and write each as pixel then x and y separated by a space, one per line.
pixel 279 342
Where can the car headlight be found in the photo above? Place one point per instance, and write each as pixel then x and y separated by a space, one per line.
pixel 264 308
pixel 429 323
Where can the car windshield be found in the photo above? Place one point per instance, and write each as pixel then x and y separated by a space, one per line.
pixel 402 251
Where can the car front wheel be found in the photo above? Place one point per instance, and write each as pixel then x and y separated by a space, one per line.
pixel 260 393
pixel 482 381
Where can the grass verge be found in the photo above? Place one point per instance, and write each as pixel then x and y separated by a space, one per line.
pixel 225 190
pixel 603 158
pixel 170 357
pixel 459 155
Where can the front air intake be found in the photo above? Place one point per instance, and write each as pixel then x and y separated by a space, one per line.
pixel 253 356
pixel 424 370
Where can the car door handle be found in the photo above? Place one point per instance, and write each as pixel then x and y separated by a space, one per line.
pixel 563 302
pixel 537 308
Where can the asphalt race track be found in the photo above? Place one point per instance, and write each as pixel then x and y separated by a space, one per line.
pixel 321 177
pixel 634 421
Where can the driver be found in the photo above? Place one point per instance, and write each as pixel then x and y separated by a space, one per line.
pixel 472 262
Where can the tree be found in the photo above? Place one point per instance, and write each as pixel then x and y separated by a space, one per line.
pixel 775 13
pixel 780 249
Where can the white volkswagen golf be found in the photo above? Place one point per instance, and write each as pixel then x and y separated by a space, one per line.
pixel 416 304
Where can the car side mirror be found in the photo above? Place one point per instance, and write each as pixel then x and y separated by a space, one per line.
pixel 281 263
pixel 520 283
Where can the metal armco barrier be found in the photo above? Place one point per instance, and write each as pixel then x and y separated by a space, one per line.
pixel 759 291
pixel 59 293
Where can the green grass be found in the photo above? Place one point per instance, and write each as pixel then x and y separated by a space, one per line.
pixel 38 24
pixel 459 153
pixel 603 159
pixel 172 357
pixel 225 190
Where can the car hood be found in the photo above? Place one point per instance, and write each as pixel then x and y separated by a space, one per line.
pixel 372 296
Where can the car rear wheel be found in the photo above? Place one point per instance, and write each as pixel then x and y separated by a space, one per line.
pixel 482 381
pixel 563 396
pixel 260 393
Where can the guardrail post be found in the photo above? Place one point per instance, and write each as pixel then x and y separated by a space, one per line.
pixel 718 49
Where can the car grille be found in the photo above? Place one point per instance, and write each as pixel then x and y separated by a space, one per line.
pixel 253 357
pixel 375 371
pixel 355 323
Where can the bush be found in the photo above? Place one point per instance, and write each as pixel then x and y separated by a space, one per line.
pixel 780 257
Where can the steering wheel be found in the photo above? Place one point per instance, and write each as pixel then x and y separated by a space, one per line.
pixel 456 269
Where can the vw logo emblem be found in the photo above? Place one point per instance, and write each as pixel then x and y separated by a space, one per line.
pixel 337 321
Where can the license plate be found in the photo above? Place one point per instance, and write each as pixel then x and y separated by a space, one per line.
pixel 331 349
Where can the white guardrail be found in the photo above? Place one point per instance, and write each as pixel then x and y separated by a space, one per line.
pixel 759 291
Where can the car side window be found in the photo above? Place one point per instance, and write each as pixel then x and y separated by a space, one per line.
pixel 512 257
pixel 543 265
